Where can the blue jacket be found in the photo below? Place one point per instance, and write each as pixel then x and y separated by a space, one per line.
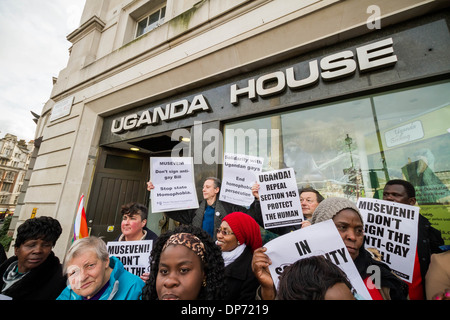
pixel 123 285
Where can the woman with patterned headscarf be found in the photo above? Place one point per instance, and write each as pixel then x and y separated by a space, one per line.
pixel 185 265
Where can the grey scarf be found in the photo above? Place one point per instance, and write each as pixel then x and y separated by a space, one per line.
pixel 12 275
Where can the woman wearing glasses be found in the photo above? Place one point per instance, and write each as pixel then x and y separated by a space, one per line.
pixel 238 236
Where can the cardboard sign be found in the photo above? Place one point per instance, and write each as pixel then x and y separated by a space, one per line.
pixel 239 174
pixel 319 239
pixel 173 178
pixel 134 255
pixel 279 198
pixel 391 228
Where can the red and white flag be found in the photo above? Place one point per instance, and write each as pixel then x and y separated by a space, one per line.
pixel 80 228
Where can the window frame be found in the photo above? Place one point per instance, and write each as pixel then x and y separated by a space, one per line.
pixel 159 22
pixel 385 151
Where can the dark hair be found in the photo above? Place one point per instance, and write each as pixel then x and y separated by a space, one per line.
pixel 42 228
pixel 217 181
pixel 409 188
pixel 134 208
pixel 320 198
pixel 309 279
pixel 213 266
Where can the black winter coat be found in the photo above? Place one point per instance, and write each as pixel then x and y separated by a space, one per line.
pixel 241 282
pixel 44 282
pixel 398 290
pixel 195 216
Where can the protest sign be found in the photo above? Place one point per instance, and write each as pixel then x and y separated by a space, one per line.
pixel 391 228
pixel 239 174
pixel 173 178
pixel 134 255
pixel 319 239
pixel 279 198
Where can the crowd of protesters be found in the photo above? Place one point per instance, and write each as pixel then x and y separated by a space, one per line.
pixel 217 253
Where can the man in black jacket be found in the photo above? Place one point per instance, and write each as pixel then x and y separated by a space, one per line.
pixel 428 238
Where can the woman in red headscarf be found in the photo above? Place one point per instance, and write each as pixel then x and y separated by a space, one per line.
pixel 238 236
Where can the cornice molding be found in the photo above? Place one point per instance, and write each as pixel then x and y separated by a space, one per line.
pixel 94 23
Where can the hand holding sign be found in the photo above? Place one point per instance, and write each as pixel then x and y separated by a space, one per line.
pixel 260 267
pixel 319 239
pixel 391 228
pixel 174 187
pixel 280 202
pixel 133 254
pixel 239 173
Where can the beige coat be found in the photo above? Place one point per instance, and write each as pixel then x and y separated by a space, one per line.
pixel 438 274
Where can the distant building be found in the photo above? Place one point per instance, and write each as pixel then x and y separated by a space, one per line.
pixel 15 157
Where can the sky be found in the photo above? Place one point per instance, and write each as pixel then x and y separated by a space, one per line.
pixel 33 49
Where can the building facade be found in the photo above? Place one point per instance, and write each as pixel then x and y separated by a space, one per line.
pixel 15 156
pixel 348 93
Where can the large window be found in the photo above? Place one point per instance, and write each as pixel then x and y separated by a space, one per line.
pixel 353 147
pixel 151 21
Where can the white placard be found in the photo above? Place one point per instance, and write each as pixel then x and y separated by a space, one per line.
pixel 279 198
pixel 134 255
pixel 173 178
pixel 62 108
pixel 391 228
pixel 406 133
pixel 319 239
pixel 239 174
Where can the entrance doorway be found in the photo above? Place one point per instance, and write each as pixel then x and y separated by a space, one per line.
pixel 120 178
